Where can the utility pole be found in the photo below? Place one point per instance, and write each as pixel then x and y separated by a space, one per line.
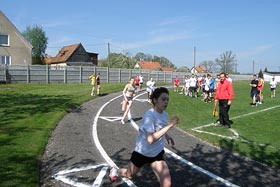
pixel 194 53
pixel 108 54
pixel 253 67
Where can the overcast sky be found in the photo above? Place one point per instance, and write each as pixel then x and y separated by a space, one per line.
pixel 248 28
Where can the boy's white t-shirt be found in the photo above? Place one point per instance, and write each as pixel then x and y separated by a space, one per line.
pixel 273 84
pixel 152 122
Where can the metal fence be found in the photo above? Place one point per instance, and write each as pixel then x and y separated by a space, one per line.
pixel 79 74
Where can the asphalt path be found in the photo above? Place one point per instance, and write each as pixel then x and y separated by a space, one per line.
pixel 91 138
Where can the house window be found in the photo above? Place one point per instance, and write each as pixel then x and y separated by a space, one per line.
pixel 4 40
pixel 5 60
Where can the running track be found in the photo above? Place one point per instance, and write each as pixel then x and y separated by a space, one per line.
pixel 91 138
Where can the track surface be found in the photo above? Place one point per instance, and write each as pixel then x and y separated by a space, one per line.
pixel 73 158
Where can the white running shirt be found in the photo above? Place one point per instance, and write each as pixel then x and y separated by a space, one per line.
pixel 152 122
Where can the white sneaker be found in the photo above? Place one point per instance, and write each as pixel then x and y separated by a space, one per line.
pixel 113 174
pixel 122 121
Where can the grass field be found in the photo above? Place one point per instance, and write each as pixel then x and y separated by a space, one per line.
pixel 30 112
pixel 255 130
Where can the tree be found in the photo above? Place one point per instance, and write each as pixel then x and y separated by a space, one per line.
pixel 226 62
pixel 184 69
pixel 209 65
pixel 260 75
pixel 37 37
pixel 164 62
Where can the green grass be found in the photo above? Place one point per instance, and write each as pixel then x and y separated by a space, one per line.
pixel 258 133
pixel 29 113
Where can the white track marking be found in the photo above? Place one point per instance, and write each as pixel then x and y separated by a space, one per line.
pixel 235 133
pixel 62 175
pixel 100 177
pixel 110 118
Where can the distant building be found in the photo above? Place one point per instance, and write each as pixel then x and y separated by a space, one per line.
pixel 198 69
pixel 73 55
pixel 152 66
pixel 267 76
pixel 14 48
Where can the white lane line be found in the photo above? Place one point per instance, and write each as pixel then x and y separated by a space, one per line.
pixel 99 146
pixel 235 133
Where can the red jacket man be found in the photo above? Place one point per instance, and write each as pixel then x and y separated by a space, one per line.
pixel 224 94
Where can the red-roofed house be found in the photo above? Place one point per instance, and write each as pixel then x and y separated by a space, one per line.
pixel 152 66
pixel 73 55
pixel 198 69
pixel 167 69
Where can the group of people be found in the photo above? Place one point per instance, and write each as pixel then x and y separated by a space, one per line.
pixel 219 89
pixel 257 87
pixel 194 85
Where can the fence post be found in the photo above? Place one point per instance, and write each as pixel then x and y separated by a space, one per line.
pixel 164 76
pixel 47 74
pixel 130 74
pixel 5 74
pixel 28 74
pixel 81 74
pixel 108 72
pixel 120 75
pixel 65 74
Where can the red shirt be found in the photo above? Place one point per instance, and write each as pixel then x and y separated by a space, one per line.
pixel 224 91
pixel 176 82
pixel 137 80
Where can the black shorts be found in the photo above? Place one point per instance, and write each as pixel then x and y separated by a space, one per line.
pixel 140 160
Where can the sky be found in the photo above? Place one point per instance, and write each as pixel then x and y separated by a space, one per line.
pixel 171 29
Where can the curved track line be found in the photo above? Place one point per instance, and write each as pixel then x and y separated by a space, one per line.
pixel 99 146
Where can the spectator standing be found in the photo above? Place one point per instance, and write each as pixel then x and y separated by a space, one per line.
pixel 98 83
pixel 228 78
pixel 273 85
pixel 187 85
pixel 141 78
pixel 193 86
pixel 224 95
pixel 150 142
pixel 137 83
pixel 254 89
pixel 176 84
pixel 92 79
pixel 260 88
pixel 212 87
pixel 150 87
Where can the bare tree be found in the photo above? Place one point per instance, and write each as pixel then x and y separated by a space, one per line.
pixel 226 62
pixel 209 65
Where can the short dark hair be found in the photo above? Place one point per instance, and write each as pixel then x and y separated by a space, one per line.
pixel 158 91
